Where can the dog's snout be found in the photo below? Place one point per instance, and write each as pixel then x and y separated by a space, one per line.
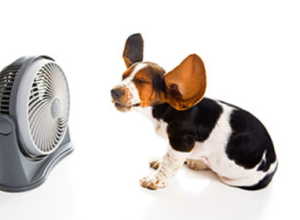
pixel 116 94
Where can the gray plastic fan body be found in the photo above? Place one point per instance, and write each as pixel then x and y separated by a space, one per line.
pixel 34 112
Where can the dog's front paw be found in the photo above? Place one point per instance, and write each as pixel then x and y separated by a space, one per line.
pixel 155 163
pixel 153 182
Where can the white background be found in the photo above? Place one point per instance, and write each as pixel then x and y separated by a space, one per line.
pixel 251 51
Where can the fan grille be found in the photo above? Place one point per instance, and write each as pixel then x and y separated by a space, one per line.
pixel 7 78
pixel 49 91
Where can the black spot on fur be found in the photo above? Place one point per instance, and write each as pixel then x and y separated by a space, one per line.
pixel 158 83
pixel 190 126
pixel 249 141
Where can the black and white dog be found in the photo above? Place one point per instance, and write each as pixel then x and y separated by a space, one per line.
pixel 203 133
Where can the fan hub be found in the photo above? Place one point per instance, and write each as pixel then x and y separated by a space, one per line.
pixel 55 108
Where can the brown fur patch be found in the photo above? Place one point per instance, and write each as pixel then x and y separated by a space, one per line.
pixel 144 81
pixel 186 83
pixel 155 164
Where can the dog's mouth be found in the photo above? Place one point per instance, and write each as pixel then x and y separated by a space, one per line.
pixel 125 108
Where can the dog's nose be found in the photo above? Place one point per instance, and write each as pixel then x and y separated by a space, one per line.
pixel 116 94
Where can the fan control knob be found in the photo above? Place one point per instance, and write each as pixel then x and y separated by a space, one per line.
pixel 5 126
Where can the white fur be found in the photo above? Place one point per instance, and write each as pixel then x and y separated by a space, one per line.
pixel 133 94
pixel 170 164
pixel 213 151
pixel 159 126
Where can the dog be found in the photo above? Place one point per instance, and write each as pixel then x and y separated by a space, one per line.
pixel 202 133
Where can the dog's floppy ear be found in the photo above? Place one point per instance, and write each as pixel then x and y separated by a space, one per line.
pixel 133 51
pixel 186 83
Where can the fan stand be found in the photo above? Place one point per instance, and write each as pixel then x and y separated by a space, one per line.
pixel 18 172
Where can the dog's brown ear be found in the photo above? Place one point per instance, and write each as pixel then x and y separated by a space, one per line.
pixel 186 83
pixel 133 51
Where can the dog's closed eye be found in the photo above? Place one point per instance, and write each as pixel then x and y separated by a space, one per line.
pixel 141 81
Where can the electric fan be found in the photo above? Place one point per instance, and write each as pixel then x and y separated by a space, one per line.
pixel 34 112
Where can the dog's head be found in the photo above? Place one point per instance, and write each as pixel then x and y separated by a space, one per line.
pixel 146 84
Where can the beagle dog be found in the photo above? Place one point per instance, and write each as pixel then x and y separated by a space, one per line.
pixel 202 133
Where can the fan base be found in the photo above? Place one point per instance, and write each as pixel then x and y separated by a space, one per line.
pixel 19 173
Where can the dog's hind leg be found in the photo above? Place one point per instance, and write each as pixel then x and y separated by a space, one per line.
pixel 199 164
